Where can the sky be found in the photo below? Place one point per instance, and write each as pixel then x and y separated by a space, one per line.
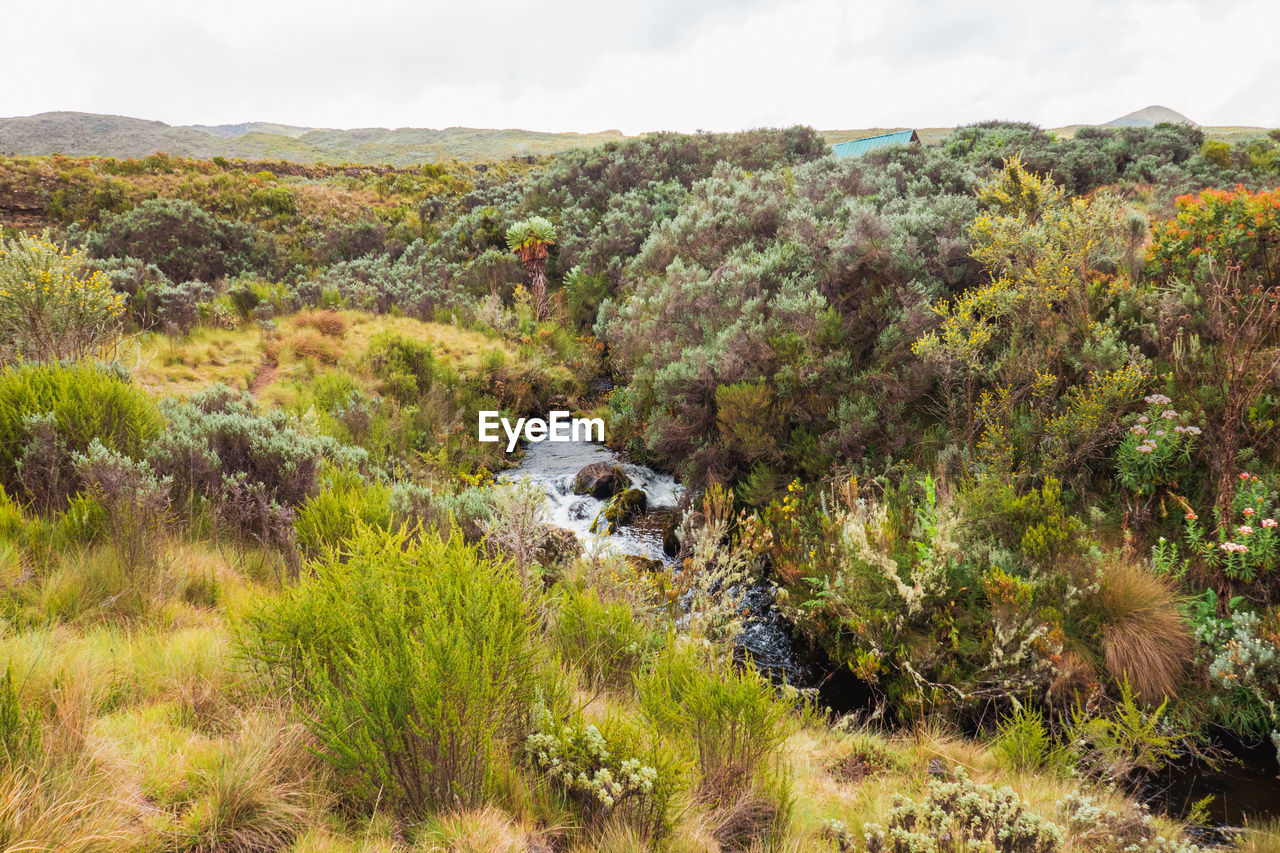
pixel 578 65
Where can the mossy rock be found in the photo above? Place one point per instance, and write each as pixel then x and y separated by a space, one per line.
pixel 621 510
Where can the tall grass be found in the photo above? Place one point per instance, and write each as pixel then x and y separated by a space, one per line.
pixel 1145 639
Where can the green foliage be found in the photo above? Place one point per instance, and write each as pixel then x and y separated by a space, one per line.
pixel 334 515
pixel 51 309
pixel 70 407
pixel 1130 740
pixel 601 639
pixel 181 239
pixel 19 726
pixel 730 716
pixel 416 665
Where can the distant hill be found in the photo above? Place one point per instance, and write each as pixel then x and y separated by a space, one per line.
pixel 86 134
pixel 1149 116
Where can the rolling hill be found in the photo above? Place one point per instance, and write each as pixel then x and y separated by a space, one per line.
pixel 86 134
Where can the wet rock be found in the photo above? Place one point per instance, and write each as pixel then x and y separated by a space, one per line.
pixel 621 510
pixel 580 511
pixel 671 534
pixel 645 564
pixel 600 480
pixel 561 547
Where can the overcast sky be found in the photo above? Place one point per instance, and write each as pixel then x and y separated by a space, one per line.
pixel 647 65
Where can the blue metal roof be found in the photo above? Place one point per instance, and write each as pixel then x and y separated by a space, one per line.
pixel 858 147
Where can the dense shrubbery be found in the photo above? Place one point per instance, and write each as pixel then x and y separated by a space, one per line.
pixel 417 666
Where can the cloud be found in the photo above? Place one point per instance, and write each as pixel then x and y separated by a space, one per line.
pixel 667 64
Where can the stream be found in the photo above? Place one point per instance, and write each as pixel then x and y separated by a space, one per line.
pixel 1248 791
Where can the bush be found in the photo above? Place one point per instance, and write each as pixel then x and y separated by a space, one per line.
pixel 135 500
pixel 64 410
pixel 735 724
pixel 416 664
pixel 959 816
pixel 180 238
pixel 607 773
pixel 602 639
pixel 51 308
pixel 332 518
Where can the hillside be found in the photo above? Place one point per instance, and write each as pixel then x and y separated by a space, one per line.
pixel 1150 116
pixel 85 134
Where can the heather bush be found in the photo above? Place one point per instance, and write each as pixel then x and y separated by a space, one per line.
pixel 415 663
pixel 52 308
pixel 184 241
pixel 333 516
pixel 601 639
pixel 135 502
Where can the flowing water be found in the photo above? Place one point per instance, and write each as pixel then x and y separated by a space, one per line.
pixel 553 466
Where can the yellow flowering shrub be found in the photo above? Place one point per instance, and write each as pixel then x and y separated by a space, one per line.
pixel 51 307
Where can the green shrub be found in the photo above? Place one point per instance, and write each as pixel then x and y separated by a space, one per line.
pixel 1024 743
pixel 416 664
pixel 180 238
pixel 78 404
pixel 406 367
pixel 602 639
pixel 735 723
pixel 331 518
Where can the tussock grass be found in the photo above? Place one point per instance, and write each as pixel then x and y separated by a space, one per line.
pixel 486 830
pixel 180 366
pixel 1144 637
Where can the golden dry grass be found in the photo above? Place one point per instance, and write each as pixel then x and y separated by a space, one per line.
pixel 1144 637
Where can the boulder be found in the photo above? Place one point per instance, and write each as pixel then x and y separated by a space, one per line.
pixel 621 509
pixel 600 480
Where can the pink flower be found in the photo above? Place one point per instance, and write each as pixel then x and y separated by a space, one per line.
pixel 1245 529
pixel 1268 522
pixel 1145 448
pixel 1248 510
pixel 1191 516
pixel 1138 430
pixel 1169 415
pixel 1158 400
pixel 1144 419
pixel 1244 476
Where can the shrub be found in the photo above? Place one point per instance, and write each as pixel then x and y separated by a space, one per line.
pixel 180 238
pixel 405 366
pixel 51 308
pixel 605 774
pixel 1128 740
pixel 135 501
pixel 736 725
pixel 332 517
pixel 961 815
pixel 602 639
pixel 518 526
pixel 1145 640
pixel 1023 742
pixel 64 410
pixel 416 665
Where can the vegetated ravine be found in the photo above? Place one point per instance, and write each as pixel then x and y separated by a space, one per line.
pixel 1243 792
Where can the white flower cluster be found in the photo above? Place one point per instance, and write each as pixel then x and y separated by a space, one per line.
pixel 1086 819
pixel 579 759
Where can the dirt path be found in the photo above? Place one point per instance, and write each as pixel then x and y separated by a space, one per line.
pixel 264 377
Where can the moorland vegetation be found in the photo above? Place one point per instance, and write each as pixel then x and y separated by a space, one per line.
pixel 996 420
